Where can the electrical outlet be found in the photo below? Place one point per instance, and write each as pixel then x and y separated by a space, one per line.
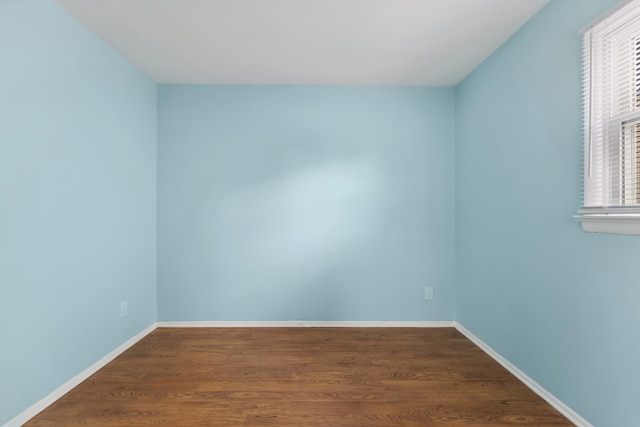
pixel 428 293
pixel 124 308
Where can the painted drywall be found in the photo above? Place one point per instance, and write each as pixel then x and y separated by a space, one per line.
pixel 305 203
pixel 561 304
pixel 77 200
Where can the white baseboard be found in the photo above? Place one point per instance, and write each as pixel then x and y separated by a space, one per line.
pixel 39 406
pixel 308 324
pixel 534 386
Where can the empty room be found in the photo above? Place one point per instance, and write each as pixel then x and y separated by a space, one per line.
pixel 319 212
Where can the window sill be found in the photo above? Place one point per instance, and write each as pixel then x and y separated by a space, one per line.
pixel 616 223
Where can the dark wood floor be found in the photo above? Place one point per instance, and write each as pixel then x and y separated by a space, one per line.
pixel 301 377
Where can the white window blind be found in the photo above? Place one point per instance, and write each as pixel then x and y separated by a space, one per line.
pixel 611 88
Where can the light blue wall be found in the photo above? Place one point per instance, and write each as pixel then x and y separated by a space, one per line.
pixel 77 200
pixel 281 203
pixel 561 304
pixel 303 203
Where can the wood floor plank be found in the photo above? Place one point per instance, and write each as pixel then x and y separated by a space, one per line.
pixel 301 377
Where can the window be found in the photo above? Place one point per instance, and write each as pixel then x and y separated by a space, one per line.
pixel 611 79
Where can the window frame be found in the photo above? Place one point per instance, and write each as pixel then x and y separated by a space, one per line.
pixel 617 159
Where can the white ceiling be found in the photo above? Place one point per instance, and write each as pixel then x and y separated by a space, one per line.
pixel 305 42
